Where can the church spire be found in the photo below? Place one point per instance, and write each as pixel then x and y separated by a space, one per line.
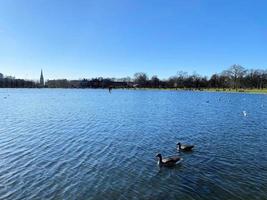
pixel 42 79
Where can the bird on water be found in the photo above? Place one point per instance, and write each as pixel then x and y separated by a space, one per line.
pixel 169 161
pixel 109 89
pixel 184 147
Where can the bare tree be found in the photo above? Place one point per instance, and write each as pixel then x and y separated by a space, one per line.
pixel 141 79
pixel 235 73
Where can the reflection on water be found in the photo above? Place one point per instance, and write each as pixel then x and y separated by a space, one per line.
pixel 90 144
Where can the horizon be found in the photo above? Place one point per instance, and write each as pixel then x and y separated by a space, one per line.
pixel 130 76
pixel 119 38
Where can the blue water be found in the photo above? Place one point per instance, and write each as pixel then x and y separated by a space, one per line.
pixel 89 144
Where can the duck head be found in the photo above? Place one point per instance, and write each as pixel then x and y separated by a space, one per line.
pixel 159 155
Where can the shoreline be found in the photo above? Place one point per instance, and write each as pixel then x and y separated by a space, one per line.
pixel 244 91
pixel 247 91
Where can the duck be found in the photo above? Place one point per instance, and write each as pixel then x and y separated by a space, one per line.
pixel 184 147
pixel 169 161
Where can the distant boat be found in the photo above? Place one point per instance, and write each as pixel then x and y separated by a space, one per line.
pixel 245 113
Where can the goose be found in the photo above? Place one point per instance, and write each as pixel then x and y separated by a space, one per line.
pixel 184 147
pixel 169 161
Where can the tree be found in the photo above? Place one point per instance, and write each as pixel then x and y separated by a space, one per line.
pixel 155 81
pixel 181 76
pixel 172 82
pixel 214 81
pixel 126 79
pixel 235 73
pixel 141 79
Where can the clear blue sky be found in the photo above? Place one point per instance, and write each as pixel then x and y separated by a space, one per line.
pixel 116 38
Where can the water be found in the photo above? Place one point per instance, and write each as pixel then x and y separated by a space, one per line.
pixel 89 144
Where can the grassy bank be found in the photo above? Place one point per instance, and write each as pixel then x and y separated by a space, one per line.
pixel 251 91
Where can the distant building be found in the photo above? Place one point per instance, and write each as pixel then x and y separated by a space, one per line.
pixel 1 76
pixel 42 83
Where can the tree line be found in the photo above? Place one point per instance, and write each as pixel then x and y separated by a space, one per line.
pixel 12 82
pixel 235 77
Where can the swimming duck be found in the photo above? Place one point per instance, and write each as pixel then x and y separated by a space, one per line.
pixel 169 161
pixel 184 147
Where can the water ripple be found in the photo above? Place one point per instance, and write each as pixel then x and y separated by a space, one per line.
pixel 89 144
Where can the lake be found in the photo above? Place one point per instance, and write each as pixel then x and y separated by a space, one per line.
pixel 90 144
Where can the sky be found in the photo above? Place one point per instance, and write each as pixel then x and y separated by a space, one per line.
pixel 116 38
